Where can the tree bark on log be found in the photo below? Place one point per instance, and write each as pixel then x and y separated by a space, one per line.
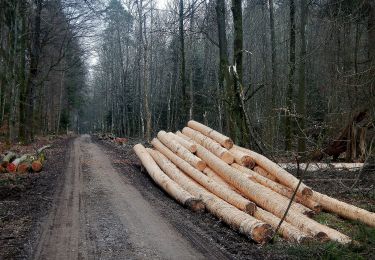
pixel 246 224
pixel 209 144
pixel 216 188
pixel 282 175
pixel 8 158
pixel 268 199
pixel 181 151
pixel 225 141
pixel 168 185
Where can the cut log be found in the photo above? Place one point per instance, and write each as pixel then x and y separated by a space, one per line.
pixel 242 158
pixel 286 230
pixel 168 185
pixel 219 190
pixel 207 131
pixel 181 151
pixel 185 143
pixel 282 175
pixel 344 210
pixel 244 223
pixel 36 166
pixel 216 177
pixel 185 137
pixel 24 167
pixel 306 205
pixel 268 199
pixel 264 173
pixel 8 158
pixel 11 167
pixel 209 144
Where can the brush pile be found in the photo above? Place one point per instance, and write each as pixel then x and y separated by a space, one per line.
pixel 13 163
pixel 202 169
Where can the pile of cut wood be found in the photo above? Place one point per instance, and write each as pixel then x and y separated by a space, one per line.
pixel 113 138
pixel 202 169
pixel 13 163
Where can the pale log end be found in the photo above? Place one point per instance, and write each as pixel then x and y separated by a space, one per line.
pixel 195 205
pixel 227 157
pixel 201 165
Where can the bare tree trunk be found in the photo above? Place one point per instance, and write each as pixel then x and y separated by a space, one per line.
pixel 292 65
pixel 238 37
pixel 32 81
pixel 223 53
pixel 182 60
pixel 302 79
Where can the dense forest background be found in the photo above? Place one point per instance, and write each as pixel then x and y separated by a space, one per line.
pixel 274 75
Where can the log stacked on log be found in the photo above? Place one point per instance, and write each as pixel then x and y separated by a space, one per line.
pixel 13 163
pixel 244 189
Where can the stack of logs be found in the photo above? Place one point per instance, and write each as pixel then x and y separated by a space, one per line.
pixel 13 163
pixel 202 169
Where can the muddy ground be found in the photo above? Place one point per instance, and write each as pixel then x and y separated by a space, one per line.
pixel 26 200
pixel 27 204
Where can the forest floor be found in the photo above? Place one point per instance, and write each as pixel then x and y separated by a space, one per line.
pixel 92 200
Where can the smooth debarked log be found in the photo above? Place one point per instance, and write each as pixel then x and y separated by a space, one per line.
pixel 185 143
pixel 286 230
pixel 242 158
pixel 225 141
pixel 344 210
pixel 181 151
pixel 282 175
pixel 216 188
pixel 310 206
pixel 209 144
pixel 167 184
pixel 268 199
pixel 264 173
pixel 237 219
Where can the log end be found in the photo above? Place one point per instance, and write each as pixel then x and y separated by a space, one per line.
pixel 193 148
pixel 201 165
pixel 262 233
pixel 195 205
pixel 228 143
pixel 322 237
pixel 23 167
pixel 227 157
pixel 307 192
pixel 317 208
pixel 250 208
pixel 310 213
pixel 305 240
pixel 36 166
pixel 11 167
pixel 248 162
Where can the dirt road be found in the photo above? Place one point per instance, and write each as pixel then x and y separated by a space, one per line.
pixel 98 215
